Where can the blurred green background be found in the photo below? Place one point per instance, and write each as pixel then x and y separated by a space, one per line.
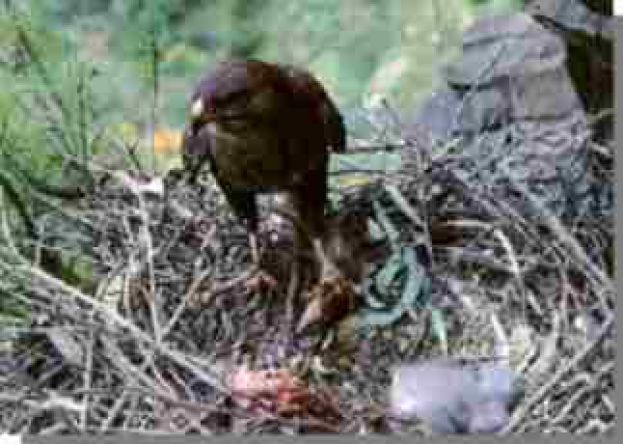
pixel 361 49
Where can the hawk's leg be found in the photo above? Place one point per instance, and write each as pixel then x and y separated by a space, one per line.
pixel 309 202
pixel 245 207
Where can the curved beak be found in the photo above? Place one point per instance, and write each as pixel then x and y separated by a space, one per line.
pixel 199 116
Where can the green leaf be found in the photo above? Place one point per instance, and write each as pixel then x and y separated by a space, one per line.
pixel 392 233
pixel 363 162
pixel 439 328
pixel 380 161
pixel 415 279
pixel 375 231
pixel 368 290
pixel 389 273
pixel 414 294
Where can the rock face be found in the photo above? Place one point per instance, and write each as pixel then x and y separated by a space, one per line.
pixel 512 70
pixel 588 28
pixel 513 106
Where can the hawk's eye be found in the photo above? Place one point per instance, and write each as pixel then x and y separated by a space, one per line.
pixel 238 101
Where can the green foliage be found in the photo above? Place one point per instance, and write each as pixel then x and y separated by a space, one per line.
pixel 497 5
pixel 403 285
pixel 12 313
pixel 357 47
pixel 360 49
pixel 47 111
pixel 45 104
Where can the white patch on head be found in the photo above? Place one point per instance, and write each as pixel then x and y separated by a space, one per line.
pixel 196 108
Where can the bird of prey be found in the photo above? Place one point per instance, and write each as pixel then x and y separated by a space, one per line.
pixel 265 128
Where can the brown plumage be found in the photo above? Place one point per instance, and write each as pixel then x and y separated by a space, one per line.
pixel 265 128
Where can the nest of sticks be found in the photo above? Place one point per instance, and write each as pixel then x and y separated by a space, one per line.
pixel 167 334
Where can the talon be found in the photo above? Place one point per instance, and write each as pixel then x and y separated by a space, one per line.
pixel 261 281
pixel 328 270
pixel 255 249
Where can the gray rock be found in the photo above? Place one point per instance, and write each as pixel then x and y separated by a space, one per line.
pixel 512 105
pixel 587 27
pixel 512 69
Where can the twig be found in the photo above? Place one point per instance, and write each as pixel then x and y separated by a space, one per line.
pixel 88 371
pixel 526 406
pixel 153 300
pixel 404 206
pixel 6 230
pixel 155 77
pixel 228 285
pixel 605 151
pixel 514 265
pixel 194 286
pixel 131 151
pixel 345 171
pixel 387 147
pixel 563 234
pixel 70 293
pixel 118 405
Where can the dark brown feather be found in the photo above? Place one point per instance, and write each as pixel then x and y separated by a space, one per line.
pixel 271 129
